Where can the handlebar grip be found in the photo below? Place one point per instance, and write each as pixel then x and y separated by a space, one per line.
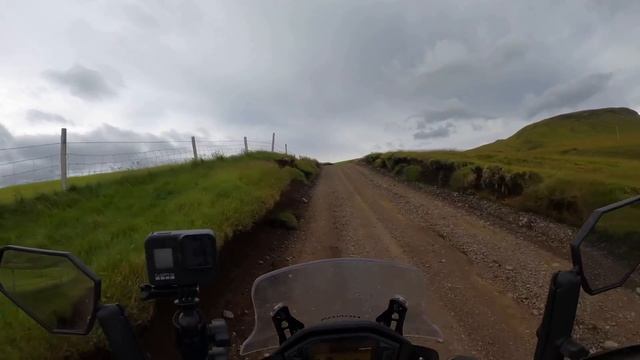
pixel 119 333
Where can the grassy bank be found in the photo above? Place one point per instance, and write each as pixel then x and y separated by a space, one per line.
pixel 105 220
pixel 562 167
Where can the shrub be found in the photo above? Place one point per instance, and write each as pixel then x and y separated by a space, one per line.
pixel 399 169
pixel 412 173
pixel 463 179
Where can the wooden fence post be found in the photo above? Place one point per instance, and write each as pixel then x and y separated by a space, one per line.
pixel 273 142
pixel 195 149
pixel 246 146
pixel 286 151
pixel 63 158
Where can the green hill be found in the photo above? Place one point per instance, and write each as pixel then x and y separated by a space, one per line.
pixel 104 219
pixel 610 132
pixel 563 167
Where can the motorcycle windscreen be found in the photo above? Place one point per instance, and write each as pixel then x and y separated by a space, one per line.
pixel 333 290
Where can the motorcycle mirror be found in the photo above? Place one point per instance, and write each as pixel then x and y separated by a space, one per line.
pixel 53 287
pixel 606 250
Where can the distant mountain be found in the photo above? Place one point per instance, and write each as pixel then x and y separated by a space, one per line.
pixel 608 132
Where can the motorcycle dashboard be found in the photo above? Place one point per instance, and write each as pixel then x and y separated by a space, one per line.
pixel 343 350
pixel 355 347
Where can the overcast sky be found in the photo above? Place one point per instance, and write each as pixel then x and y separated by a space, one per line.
pixel 335 79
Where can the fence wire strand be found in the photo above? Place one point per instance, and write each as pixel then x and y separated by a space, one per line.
pixel 95 157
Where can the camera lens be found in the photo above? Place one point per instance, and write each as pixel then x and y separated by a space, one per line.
pixel 197 251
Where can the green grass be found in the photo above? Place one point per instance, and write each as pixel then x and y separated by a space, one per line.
pixel 563 167
pixel 104 220
pixel 308 166
pixel 28 191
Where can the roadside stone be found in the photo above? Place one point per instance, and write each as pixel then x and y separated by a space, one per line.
pixel 525 222
pixel 227 314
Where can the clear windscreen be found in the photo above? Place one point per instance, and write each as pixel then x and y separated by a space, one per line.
pixel 338 290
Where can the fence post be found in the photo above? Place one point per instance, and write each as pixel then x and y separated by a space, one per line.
pixel 63 158
pixel 195 149
pixel 286 151
pixel 246 146
pixel 273 142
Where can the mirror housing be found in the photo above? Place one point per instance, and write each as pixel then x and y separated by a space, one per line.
pixel 588 228
pixel 46 273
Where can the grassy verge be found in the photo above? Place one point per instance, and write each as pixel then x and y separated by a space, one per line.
pixel 562 167
pixel 104 221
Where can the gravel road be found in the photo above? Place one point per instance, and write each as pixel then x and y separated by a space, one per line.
pixel 487 266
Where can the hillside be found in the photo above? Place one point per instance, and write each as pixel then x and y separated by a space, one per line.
pixel 610 132
pixel 562 167
pixel 104 219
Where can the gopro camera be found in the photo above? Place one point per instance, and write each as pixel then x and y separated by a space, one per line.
pixel 181 258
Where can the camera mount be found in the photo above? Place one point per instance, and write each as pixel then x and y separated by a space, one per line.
pixel 177 263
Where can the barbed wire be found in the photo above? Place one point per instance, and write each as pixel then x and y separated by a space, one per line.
pixel 129 142
pixel 28 146
pixel 84 159
pixel 25 160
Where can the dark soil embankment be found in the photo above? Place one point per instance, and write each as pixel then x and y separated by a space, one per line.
pixel 523 189
pixel 242 259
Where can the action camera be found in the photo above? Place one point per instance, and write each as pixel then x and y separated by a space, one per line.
pixel 181 258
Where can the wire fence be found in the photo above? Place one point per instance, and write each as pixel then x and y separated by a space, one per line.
pixel 40 162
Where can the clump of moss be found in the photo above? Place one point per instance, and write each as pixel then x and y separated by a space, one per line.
pixel 285 219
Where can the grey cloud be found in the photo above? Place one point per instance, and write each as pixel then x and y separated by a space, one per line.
pixel 442 131
pixel 139 16
pixel 5 136
pixel 477 127
pixel 312 70
pixel 36 116
pixel 82 82
pixel 568 95
pixel 450 110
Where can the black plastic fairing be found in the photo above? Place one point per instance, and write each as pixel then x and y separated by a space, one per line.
pixel 337 331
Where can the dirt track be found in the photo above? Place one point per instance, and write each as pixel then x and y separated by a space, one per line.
pixel 487 282
pixel 355 212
